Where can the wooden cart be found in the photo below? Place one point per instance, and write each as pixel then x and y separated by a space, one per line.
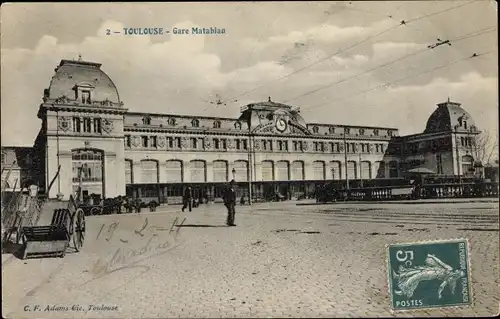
pixel 67 226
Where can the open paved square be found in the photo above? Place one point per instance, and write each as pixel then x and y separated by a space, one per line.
pixel 282 260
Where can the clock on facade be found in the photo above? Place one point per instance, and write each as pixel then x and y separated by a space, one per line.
pixel 281 124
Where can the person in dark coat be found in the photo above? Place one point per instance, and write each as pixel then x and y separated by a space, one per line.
pixel 230 202
pixel 187 199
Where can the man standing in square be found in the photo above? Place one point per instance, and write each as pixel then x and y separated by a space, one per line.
pixel 187 199
pixel 230 202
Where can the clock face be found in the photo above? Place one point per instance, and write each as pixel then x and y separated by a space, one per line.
pixel 281 125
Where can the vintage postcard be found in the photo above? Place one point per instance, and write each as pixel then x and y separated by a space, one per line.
pixel 260 159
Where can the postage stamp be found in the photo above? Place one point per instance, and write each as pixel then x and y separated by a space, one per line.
pixel 429 274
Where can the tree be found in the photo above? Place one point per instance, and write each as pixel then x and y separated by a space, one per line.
pixel 484 148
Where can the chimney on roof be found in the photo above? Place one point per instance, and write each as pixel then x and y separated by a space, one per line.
pixel 269 99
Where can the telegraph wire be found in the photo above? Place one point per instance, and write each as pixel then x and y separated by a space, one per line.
pixel 475 55
pixel 403 22
pixel 460 38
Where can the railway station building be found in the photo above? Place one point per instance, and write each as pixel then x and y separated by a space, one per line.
pixel 86 127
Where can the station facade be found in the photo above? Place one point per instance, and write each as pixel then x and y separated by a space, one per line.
pixel 90 136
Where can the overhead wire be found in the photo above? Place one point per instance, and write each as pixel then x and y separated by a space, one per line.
pixel 403 22
pixel 400 80
pixel 463 37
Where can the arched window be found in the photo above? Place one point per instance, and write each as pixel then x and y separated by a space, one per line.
pixel 347 131
pixel 351 170
pixel 335 170
pixel 389 133
pixel 217 124
pixel 361 131
pixel 146 120
pixel 467 165
pixel 365 172
pixel 149 171
pixel 237 125
pixel 220 169
pixel 174 171
pixel 375 132
pixel 393 169
pixel 198 171
pixel 195 123
pixel 315 129
pixel 267 169
pixel 240 171
pixel 171 122
pixel 331 129
pixel 297 170
pixel 128 172
pixel 319 170
pixel 282 170
pixel 87 165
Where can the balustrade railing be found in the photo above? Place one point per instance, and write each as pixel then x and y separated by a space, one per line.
pixel 426 191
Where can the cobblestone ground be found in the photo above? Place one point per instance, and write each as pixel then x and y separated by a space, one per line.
pixel 282 260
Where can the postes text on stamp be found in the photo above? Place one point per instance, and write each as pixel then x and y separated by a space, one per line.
pixel 429 274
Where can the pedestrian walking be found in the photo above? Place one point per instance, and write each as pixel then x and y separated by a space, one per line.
pixel 230 202
pixel 187 199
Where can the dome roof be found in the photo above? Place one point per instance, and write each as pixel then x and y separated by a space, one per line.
pixel 449 116
pixel 72 76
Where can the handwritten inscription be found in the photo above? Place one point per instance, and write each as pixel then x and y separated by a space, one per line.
pixel 152 243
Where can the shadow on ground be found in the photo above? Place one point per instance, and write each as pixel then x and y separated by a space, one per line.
pixel 14 249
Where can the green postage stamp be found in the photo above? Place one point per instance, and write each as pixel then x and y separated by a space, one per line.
pixel 429 274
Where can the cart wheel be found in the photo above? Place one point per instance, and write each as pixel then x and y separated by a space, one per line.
pixel 95 211
pixel 79 229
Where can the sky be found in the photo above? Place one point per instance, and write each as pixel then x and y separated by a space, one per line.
pixel 344 62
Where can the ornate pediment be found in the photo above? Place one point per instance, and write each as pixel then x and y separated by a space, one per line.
pixel 298 129
pixel 293 128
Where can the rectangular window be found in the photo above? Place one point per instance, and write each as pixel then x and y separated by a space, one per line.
pixel 224 144
pixel 245 144
pixel 170 142
pixel 348 147
pixel 77 125
pixel 153 141
pixel 178 140
pixel 144 141
pixel 216 143
pixel 270 145
pixel 87 124
pixel 97 125
pixel 194 142
pixel 439 161
pixel 238 144
pixel 127 140
pixel 85 97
